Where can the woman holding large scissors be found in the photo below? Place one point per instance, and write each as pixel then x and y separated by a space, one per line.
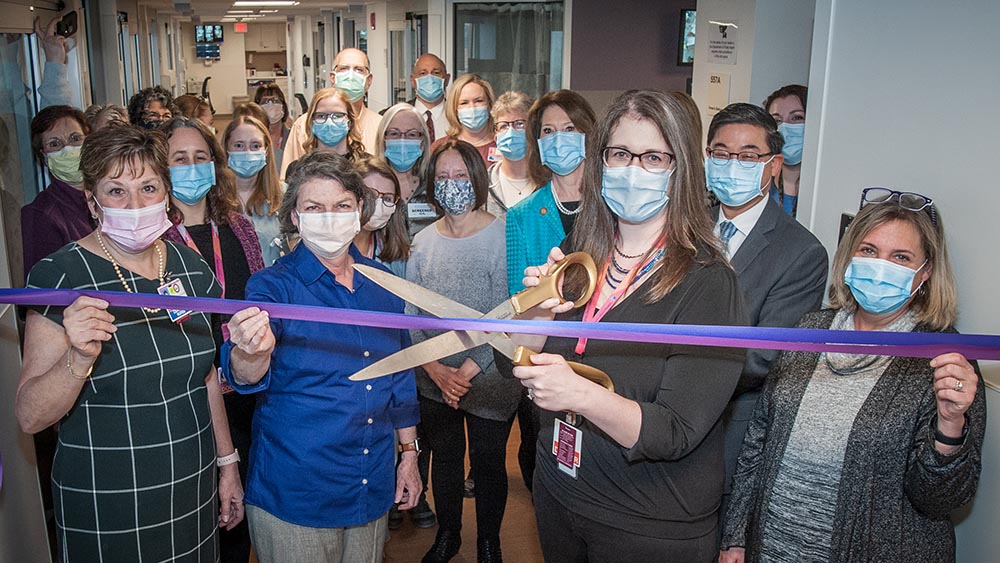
pixel 640 477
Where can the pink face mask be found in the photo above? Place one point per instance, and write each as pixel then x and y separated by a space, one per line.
pixel 135 229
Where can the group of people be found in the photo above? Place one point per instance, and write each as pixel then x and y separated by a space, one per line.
pixel 697 454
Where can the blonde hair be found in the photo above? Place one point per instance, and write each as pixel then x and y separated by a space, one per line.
pixel 417 169
pixel 511 102
pixel 266 187
pixel 688 229
pixel 936 302
pixel 451 107
pixel 355 148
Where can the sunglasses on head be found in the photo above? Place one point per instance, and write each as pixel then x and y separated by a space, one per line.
pixel 906 200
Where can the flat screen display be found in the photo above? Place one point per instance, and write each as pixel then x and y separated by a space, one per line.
pixel 208 33
pixel 685 51
pixel 207 51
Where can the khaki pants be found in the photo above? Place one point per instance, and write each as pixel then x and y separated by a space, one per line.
pixel 277 541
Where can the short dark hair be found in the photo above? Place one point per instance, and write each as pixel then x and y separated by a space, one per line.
pixel 748 114
pixel 797 90
pixel 137 104
pixel 323 165
pixel 473 161
pixel 271 90
pixel 46 119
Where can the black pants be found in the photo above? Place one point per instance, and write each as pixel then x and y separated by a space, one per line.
pixel 568 537
pixel 234 545
pixel 527 421
pixel 444 428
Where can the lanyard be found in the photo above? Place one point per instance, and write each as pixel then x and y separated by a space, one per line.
pixel 591 314
pixel 220 273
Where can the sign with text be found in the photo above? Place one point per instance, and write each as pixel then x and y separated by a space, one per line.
pixel 723 36
pixel 718 92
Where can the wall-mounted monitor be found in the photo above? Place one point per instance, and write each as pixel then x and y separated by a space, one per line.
pixel 208 51
pixel 208 33
pixel 685 43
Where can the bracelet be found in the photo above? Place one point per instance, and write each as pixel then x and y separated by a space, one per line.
pixel 228 460
pixel 948 440
pixel 69 367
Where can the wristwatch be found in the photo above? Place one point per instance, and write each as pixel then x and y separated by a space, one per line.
pixel 413 446
pixel 228 460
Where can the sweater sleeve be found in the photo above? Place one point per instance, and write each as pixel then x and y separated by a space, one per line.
pixel 517 259
pixel 697 381
pixel 935 483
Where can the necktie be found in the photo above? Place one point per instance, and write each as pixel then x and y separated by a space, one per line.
pixel 726 231
pixel 430 125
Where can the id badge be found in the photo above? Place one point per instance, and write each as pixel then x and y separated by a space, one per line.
pixel 494 155
pixel 223 383
pixel 566 444
pixel 174 287
pixel 420 210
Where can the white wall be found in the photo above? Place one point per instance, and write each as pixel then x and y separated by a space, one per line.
pixel 903 94
pixel 228 74
pixel 378 55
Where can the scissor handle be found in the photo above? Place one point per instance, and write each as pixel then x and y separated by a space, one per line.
pixel 522 357
pixel 550 285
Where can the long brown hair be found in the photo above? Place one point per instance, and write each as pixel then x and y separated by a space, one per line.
pixel 266 187
pixel 579 112
pixel 221 199
pixel 688 229
pixel 397 237
pixel 355 148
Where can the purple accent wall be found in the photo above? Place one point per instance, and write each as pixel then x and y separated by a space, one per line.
pixel 627 44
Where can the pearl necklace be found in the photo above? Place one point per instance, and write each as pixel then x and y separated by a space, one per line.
pixel 562 209
pixel 161 270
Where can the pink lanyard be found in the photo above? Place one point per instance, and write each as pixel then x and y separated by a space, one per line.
pixel 220 273
pixel 591 314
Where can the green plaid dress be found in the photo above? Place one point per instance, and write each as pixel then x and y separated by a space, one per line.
pixel 134 475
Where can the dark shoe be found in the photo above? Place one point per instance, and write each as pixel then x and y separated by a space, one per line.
pixel 488 551
pixel 470 488
pixel 422 515
pixel 446 546
pixel 395 518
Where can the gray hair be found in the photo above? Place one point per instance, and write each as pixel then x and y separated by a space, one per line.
pixel 328 166
pixel 511 102
pixel 114 111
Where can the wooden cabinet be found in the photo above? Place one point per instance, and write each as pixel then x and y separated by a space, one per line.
pixel 266 37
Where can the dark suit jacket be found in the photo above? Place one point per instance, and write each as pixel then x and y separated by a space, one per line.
pixel 781 268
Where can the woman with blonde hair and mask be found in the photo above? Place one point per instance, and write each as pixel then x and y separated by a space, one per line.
pixel 510 178
pixel 854 457
pixel 648 479
pixel 332 127
pixel 468 109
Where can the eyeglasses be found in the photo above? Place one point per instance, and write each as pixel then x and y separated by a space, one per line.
pixel 747 159
pixel 362 70
pixel 517 124
pixel 153 116
pixel 618 157
pixel 320 117
pixel 270 101
pixel 909 201
pixel 412 134
pixel 387 199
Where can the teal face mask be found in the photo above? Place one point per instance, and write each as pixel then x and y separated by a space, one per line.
pixel 403 153
pixel 191 182
pixel 512 144
pixel 247 164
pixel 430 88
pixel 331 132
pixel 352 84
pixel 563 151
pixel 474 118
pixel 793 134
pixel 879 286
pixel 733 182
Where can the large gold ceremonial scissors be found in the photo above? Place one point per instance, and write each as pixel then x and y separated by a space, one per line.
pixel 454 341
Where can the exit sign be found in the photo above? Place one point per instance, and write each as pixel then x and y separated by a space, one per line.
pixel 240 27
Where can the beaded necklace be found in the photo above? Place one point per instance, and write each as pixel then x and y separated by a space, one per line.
pixel 161 271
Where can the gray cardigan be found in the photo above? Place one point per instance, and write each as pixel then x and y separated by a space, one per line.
pixel 896 491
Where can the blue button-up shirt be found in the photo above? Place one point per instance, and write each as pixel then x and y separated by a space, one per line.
pixel 323 451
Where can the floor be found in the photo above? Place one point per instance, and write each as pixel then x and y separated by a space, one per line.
pixel 518 536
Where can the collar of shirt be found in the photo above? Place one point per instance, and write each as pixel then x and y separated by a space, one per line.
pixel 310 269
pixel 436 111
pixel 744 223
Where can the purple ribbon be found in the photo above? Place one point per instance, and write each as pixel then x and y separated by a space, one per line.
pixel 906 344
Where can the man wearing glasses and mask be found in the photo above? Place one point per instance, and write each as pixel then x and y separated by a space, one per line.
pixel 780 265
pixel 352 74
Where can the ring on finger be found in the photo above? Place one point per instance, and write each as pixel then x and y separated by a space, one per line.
pixel 531 395
pixel 959 385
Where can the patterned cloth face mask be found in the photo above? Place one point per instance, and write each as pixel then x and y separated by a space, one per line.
pixel 456 197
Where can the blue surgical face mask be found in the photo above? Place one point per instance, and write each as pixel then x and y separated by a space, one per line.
pixel 456 197
pixel 403 153
pixel 793 134
pixel 474 118
pixel 247 164
pixel 513 144
pixel 563 151
pixel 733 182
pixel 191 182
pixel 880 286
pixel 352 83
pixel 430 88
pixel 635 194
pixel 331 132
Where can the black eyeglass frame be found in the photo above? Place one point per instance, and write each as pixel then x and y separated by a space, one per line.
pixel 928 205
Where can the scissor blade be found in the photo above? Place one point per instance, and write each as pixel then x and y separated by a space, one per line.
pixel 441 346
pixel 502 311
pixel 432 302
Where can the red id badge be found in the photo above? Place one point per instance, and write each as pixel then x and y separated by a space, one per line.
pixel 566 444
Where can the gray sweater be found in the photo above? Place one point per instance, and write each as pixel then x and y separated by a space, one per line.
pixel 896 490
pixel 473 272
